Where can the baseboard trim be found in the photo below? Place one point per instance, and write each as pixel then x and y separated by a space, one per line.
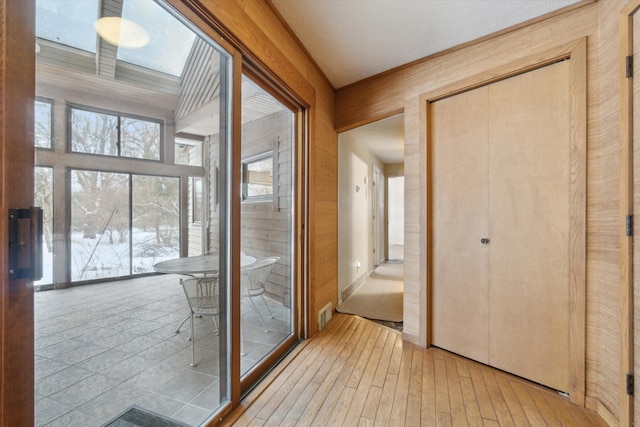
pixel 349 290
pixel 604 412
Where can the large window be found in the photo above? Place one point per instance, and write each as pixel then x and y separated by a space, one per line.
pixel 122 224
pixel 110 134
pixel 99 225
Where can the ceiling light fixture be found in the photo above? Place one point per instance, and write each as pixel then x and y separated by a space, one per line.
pixel 122 32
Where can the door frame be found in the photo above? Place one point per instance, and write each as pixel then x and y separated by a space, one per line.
pixel 576 52
pixel 627 192
pixel 17 95
pixel 378 200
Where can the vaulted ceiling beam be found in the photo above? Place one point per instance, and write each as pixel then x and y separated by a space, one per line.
pixel 106 52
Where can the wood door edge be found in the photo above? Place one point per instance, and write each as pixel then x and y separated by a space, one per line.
pixel 626 208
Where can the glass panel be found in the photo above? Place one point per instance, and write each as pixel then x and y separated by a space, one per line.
pixel 124 218
pixel 42 124
pixel 139 139
pixel 168 49
pixel 196 196
pixel 266 231
pixel 94 133
pixel 68 22
pixel 99 225
pixel 197 200
pixel 43 197
pixel 156 221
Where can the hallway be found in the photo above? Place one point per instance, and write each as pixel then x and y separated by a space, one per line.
pixel 380 297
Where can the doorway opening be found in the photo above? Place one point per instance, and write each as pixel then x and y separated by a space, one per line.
pixel 395 228
pixel 371 221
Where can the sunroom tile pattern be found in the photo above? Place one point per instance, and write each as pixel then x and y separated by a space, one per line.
pixel 101 348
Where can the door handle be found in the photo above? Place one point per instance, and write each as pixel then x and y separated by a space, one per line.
pixel 25 244
pixel 484 241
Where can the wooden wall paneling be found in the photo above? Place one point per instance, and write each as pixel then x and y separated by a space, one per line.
pixel 385 98
pixel 323 211
pixel 323 206
pixel 17 91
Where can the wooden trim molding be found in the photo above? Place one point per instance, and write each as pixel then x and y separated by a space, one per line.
pixel 576 52
pixel 626 208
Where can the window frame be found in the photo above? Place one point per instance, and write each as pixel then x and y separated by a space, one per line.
pixel 120 115
pixel 197 214
pixel 246 198
pixel 130 197
pixel 49 101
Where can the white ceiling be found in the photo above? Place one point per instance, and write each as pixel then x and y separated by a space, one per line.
pixel 385 138
pixel 354 39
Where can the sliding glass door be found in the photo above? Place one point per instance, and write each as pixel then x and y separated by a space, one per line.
pixel 268 194
pixel 163 151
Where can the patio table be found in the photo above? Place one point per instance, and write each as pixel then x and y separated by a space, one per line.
pixel 207 264
pixel 202 264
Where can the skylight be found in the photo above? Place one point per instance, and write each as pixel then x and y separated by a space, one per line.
pixel 170 42
pixel 68 22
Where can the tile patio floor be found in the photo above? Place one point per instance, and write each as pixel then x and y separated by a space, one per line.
pixel 101 348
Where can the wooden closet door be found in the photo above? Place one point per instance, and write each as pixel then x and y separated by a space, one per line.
pixel 459 213
pixel 529 223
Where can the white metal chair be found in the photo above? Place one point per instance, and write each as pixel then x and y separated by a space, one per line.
pixel 253 281
pixel 203 298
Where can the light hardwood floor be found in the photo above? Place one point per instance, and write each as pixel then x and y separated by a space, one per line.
pixel 358 373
